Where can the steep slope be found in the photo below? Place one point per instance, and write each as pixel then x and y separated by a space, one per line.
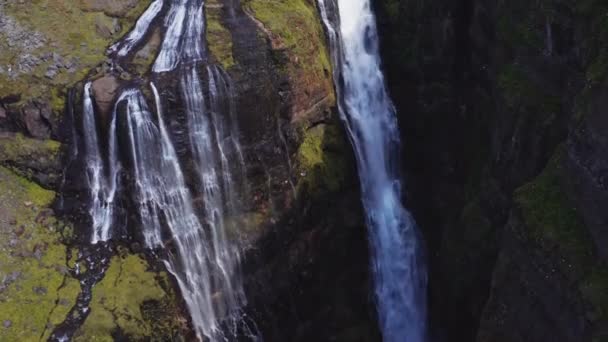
pixel 501 104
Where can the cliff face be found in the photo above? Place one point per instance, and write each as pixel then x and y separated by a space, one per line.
pixel 503 114
pixel 503 117
pixel 305 206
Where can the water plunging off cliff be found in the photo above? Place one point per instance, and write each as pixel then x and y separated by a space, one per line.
pixel 370 120
pixel 183 215
pixel 102 179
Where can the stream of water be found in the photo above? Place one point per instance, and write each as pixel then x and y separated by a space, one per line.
pixel 370 120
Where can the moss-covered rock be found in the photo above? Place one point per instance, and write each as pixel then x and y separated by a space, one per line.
pixel 551 217
pixel 36 291
pixel 50 45
pixel 322 160
pixel 296 35
pixel 547 261
pixel 133 302
pixel 219 38
pixel 32 158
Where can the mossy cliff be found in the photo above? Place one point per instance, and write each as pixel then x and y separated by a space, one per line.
pixel 504 143
pixel 133 303
pixel 50 45
pixel 299 167
pixel 39 284
pixel 47 47
pixel 36 291
pixel 301 174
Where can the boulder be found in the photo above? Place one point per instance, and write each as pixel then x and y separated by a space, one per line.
pixel 35 121
pixel 104 90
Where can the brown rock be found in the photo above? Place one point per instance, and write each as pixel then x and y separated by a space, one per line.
pixel 2 113
pixel 104 90
pixel 34 122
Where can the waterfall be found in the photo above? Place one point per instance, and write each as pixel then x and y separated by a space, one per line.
pixel 369 116
pixel 102 180
pixel 140 29
pixel 164 196
pixel 185 215
pixel 182 42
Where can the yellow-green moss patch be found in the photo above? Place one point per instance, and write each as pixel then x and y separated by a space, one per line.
pixel 322 160
pixel 118 299
pixel 36 292
pixel 69 35
pixel 219 39
pixel 295 28
pixel 17 148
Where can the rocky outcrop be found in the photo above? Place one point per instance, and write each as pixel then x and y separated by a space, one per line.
pixel 505 171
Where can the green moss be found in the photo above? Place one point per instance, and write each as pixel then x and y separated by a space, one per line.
pixel 559 230
pixel 321 159
pixel 595 289
pixel 295 29
pixel 118 299
pixel 16 148
pixel 69 32
pixel 550 216
pixel 520 92
pixel 40 293
pixel 219 38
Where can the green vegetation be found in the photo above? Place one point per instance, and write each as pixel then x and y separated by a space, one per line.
pixel 550 216
pixel 18 148
pixel 520 91
pixel 65 30
pixel 36 292
pixel 322 160
pixel 132 300
pixel 557 227
pixel 294 28
pixel 219 38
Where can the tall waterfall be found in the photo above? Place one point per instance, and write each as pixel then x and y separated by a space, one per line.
pixel 369 116
pixel 102 178
pixel 182 213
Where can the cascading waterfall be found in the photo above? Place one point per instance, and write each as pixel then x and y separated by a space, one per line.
pixel 101 179
pixel 200 255
pixel 141 27
pixel 163 195
pixel 370 120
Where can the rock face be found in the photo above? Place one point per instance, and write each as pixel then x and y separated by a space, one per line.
pixel 299 167
pixel 104 91
pixel 497 103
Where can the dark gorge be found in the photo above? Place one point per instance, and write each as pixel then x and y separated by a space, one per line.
pixel 303 170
